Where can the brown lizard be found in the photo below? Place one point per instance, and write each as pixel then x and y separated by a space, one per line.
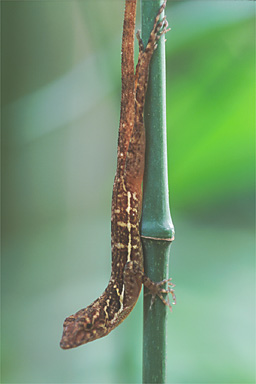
pixel 127 275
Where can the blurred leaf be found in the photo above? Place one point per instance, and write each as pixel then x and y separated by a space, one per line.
pixel 211 117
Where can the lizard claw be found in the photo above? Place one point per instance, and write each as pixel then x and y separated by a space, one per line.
pixel 155 289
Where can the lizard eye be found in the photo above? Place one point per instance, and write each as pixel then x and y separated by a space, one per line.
pixel 88 326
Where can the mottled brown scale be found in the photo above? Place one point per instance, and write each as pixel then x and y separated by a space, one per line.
pixel 127 275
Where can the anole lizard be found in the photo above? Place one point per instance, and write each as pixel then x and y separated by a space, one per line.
pixel 127 275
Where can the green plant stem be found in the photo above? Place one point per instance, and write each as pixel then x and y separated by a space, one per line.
pixel 157 228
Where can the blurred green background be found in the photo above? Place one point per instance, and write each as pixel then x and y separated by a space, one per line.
pixel 61 100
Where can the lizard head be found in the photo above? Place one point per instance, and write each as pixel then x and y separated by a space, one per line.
pixel 86 325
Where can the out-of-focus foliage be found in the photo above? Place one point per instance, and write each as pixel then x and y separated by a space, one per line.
pixel 211 130
pixel 61 98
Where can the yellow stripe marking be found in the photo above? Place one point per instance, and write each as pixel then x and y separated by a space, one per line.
pixel 129 226
pixel 106 307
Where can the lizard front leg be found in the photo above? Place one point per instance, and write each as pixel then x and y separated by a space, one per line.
pixel 134 277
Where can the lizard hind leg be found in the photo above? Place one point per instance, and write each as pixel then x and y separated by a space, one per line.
pixel 141 45
pixel 160 27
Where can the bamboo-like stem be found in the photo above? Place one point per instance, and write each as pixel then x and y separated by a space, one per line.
pixel 157 228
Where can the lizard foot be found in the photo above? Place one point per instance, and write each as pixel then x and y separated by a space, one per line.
pixel 155 289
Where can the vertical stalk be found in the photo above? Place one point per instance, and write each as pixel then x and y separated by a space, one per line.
pixel 157 228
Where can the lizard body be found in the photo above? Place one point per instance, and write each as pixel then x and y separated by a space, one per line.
pixel 127 274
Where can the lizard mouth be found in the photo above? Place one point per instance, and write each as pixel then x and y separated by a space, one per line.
pixel 76 334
